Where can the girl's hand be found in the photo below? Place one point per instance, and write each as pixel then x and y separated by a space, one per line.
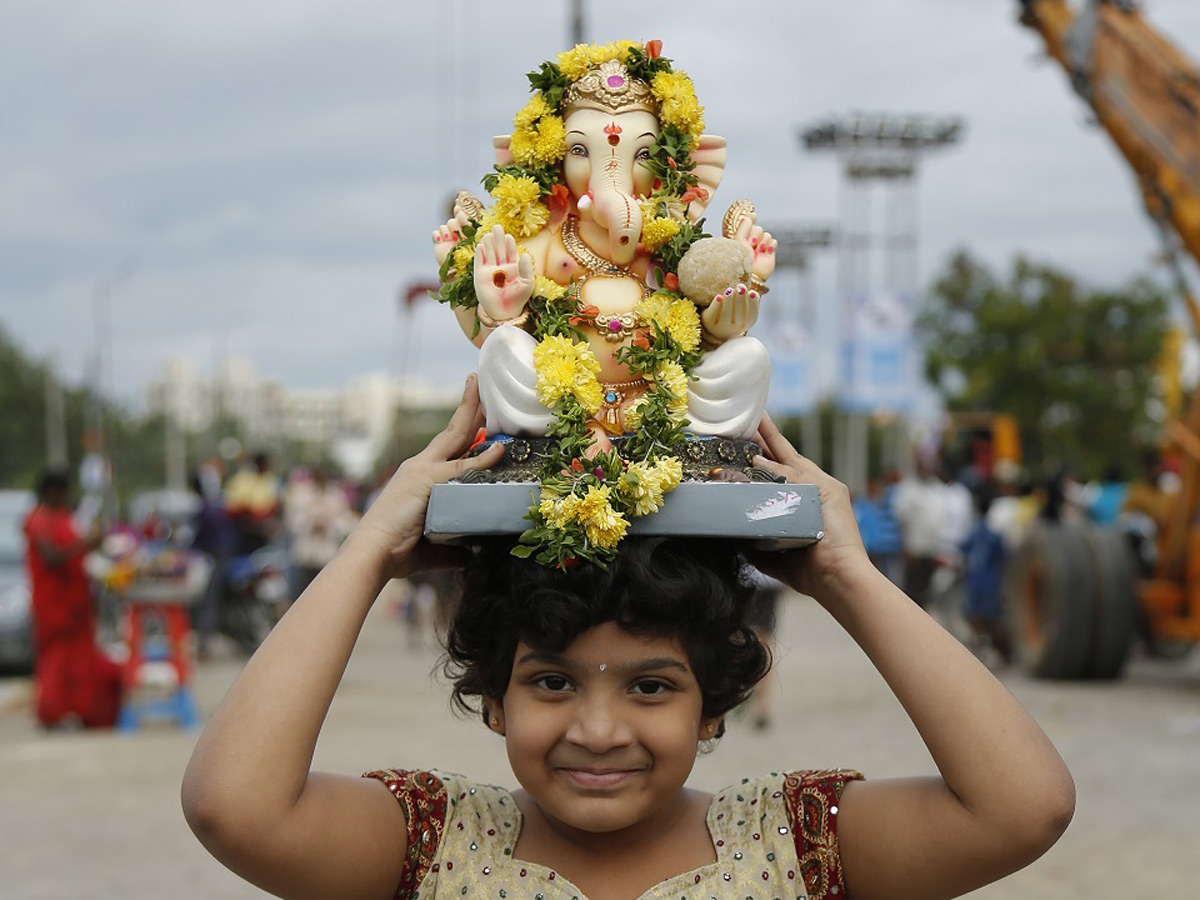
pixel 395 522
pixel 813 568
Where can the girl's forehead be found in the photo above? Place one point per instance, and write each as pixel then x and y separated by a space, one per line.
pixel 608 643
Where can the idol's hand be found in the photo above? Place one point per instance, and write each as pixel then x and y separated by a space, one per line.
pixel 395 522
pixel 814 569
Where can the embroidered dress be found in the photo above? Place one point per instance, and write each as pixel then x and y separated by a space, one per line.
pixel 775 839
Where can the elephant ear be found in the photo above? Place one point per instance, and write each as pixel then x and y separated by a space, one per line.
pixel 709 159
pixel 500 146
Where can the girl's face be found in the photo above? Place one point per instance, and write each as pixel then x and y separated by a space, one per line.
pixel 603 735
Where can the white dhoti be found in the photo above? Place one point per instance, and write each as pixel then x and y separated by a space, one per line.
pixel 508 384
pixel 729 393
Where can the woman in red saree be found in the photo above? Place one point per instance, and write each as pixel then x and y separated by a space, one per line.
pixel 73 678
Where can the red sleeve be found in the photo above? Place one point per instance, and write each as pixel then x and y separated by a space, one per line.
pixel 812 804
pixel 422 796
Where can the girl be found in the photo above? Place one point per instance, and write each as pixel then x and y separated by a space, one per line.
pixel 604 684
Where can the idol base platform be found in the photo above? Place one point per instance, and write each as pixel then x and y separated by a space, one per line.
pixel 771 516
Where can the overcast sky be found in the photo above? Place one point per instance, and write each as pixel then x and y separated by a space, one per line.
pixel 260 179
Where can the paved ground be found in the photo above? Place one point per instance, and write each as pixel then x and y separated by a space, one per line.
pixel 97 815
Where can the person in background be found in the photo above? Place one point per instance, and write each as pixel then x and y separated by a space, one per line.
pixel 215 536
pixel 1107 496
pixel 74 682
pixel 318 516
pixel 984 554
pixel 252 501
pixel 879 529
pixel 918 508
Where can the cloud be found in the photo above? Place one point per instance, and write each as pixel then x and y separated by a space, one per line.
pixel 274 170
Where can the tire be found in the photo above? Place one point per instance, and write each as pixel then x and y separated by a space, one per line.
pixel 1114 612
pixel 1048 590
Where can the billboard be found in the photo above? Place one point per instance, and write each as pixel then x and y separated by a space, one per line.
pixel 877 369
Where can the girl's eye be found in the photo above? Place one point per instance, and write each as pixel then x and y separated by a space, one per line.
pixel 650 688
pixel 553 683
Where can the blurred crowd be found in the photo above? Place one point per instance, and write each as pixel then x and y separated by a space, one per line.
pixel 945 535
pixel 238 547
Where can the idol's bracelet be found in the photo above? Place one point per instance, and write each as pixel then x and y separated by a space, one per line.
pixel 488 322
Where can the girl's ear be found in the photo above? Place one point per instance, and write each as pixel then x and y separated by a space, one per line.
pixel 494 714
pixel 712 728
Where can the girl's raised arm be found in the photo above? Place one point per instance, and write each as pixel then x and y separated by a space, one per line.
pixel 248 793
pixel 1004 795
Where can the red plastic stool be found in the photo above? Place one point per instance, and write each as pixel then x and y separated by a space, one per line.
pixel 171 643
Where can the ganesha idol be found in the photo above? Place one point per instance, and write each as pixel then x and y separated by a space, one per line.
pixel 603 312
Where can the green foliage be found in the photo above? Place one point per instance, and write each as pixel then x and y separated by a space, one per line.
pixel 546 177
pixel 550 80
pixel 643 67
pixel 1075 366
pixel 672 252
pixel 671 161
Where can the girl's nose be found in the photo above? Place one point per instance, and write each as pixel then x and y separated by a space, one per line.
pixel 598 727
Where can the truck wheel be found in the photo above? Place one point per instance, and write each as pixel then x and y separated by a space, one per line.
pixel 1114 611
pixel 1047 590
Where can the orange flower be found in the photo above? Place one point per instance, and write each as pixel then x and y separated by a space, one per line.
pixel 671 281
pixel 559 199
pixel 576 466
pixel 653 49
pixel 640 340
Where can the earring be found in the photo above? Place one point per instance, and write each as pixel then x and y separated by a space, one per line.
pixel 495 722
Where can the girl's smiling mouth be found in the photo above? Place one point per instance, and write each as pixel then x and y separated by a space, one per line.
pixel 598 778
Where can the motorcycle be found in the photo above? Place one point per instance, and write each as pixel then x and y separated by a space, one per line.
pixel 253 595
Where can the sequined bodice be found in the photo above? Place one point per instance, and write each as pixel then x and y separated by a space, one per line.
pixel 774 837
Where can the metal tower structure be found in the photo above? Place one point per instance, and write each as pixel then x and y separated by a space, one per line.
pixel 880 156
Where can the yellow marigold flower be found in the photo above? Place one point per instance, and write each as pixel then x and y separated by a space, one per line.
pixel 486 221
pixel 671 377
pixel 532 111
pixel 656 233
pixel 683 324
pixel 663 207
pixel 555 380
pixel 463 255
pixel 621 49
pixel 588 391
pixel 644 488
pixel 603 525
pixel 670 472
pixel 518 206
pixel 541 144
pixel 566 367
pixel 548 288
pixel 675 92
pixel 632 414
pixel 574 63
pixel 557 511
pixel 655 309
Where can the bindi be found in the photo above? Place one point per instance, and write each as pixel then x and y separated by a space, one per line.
pixel 613 130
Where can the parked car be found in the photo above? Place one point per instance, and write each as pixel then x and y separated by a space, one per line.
pixel 16 624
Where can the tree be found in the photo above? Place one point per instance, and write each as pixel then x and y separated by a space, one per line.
pixel 1075 366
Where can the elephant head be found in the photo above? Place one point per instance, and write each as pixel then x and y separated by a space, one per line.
pixel 611 122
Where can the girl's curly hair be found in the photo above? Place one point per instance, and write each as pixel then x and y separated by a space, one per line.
pixel 693 590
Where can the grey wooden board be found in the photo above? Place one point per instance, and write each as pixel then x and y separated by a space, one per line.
pixel 770 515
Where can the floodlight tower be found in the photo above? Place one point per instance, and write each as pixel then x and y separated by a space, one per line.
pixel 791 329
pixel 880 156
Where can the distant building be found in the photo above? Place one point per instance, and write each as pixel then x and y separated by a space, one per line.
pixel 352 423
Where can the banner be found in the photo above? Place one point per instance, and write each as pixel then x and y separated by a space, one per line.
pixel 878 360
pixel 793 372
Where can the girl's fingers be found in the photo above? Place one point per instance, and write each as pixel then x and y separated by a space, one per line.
pixel 450 442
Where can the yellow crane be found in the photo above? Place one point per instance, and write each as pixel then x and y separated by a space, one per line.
pixel 1074 593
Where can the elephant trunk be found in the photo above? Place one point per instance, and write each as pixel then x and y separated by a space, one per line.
pixel 616 210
